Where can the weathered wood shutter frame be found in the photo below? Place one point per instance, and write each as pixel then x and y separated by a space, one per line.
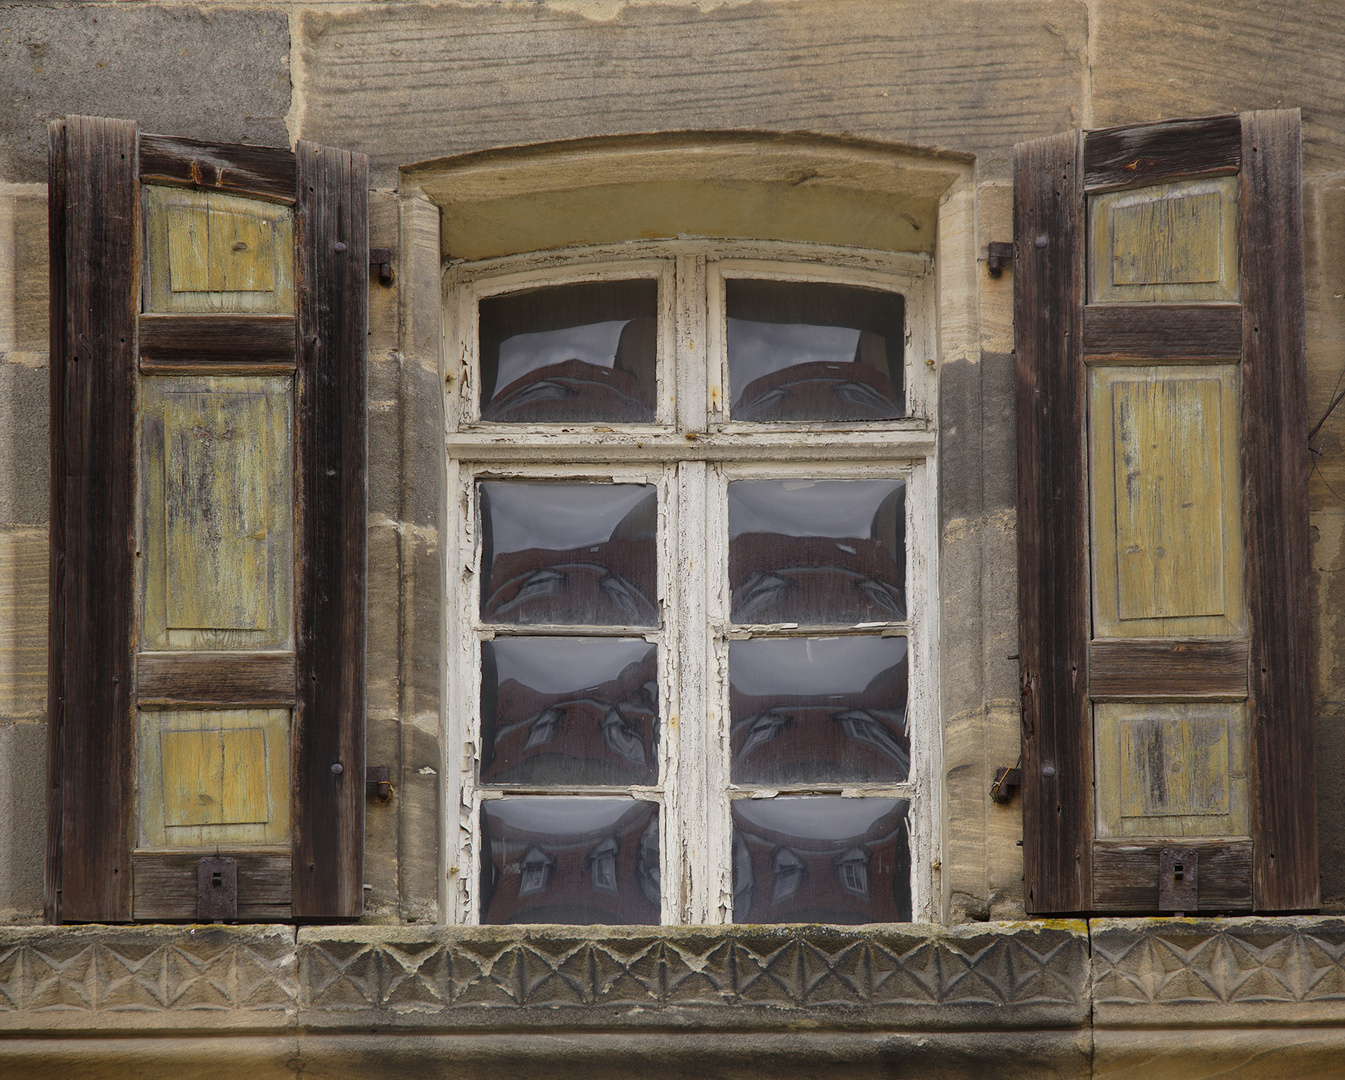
pixel 100 342
pixel 1061 667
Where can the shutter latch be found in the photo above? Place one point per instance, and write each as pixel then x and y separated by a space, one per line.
pixel 217 889
pixel 1177 880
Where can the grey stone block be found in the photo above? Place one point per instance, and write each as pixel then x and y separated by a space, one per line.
pixel 23 820
pixel 25 455
pixel 970 75
pixel 218 73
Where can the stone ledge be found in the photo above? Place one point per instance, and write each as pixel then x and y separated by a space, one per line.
pixel 1012 976
pixel 1167 973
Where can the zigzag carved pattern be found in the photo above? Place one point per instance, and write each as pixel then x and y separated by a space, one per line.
pixel 134 972
pixel 809 969
pixel 1234 964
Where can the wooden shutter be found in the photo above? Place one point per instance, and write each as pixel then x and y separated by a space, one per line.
pixel 1162 515
pixel 208 330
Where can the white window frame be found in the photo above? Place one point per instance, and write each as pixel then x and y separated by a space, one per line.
pixel 690 452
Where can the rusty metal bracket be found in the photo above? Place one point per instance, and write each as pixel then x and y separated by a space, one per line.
pixel 998 255
pixel 1006 781
pixel 382 258
pixel 378 783
pixel 1177 876
pixel 217 889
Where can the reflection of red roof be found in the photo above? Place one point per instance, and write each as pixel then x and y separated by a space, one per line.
pixel 606 734
pixel 569 891
pixel 820 390
pixel 813 579
pixel 822 738
pixel 573 390
pixel 606 584
pixel 848 880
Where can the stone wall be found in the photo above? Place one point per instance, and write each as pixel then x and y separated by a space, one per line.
pixel 411 82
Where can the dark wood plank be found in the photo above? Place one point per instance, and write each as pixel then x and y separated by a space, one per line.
pixel 1157 668
pixel 165 884
pixel 215 678
pixel 1275 472
pixel 217 341
pixel 1052 567
pixel 98 433
pixel 242 170
pixel 1152 153
pixel 1125 875
pixel 56 294
pixel 1162 332
pixel 329 716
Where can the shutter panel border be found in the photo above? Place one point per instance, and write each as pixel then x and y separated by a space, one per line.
pixel 1053 607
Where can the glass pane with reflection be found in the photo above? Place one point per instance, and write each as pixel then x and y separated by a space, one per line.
pixel 818 710
pixel 814 351
pixel 561 710
pixel 570 860
pixel 817 551
pixel 569 554
pixel 570 353
pixel 821 859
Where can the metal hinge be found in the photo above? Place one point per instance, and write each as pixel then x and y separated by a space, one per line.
pixel 382 258
pixel 1006 782
pixel 998 256
pixel 378 782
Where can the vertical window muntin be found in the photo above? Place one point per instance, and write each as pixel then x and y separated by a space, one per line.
pixel 697 884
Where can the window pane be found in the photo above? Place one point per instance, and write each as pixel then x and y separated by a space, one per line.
pixel 570 353
pixel 818 710
pixel 817 551
pixel 569 554
pixel 578 861
pixel 821 859
pixel 809 351
pixel 569 711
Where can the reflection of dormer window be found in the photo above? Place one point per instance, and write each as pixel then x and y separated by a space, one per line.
pixel 545 727
pixel 602 865
pixel 535 869
pixel 853 869
pixel 621 737
pixel 764 728
pixel 866 728
pixel 788 869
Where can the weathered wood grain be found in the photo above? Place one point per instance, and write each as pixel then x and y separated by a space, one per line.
pixel 241 170
pixel 95 345
pixel 1144 154
pixel 1125 875
pixel 1275 472
pixel 225 254
pixel 171 343
pixel 1176 668
pixel 1052 525
pixel 165 884
pixel 1162 332
pixel 213 776
pixel 56 610
pixel 1172 768
pixel 1166 510
pixel 215 678
pixel 1171 243
pixel 329 717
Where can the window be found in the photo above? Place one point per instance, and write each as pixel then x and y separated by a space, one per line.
pixel 690 619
